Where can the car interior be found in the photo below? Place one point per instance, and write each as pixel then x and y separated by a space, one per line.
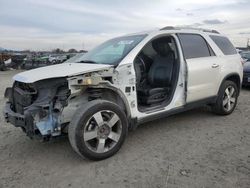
pixel 157 70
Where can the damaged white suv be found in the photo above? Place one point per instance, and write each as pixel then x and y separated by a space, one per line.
pixel 124 82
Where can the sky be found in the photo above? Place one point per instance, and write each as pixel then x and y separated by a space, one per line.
pixel 65 24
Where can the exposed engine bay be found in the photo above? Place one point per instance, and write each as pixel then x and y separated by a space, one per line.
pixel 44 108
pixel 38 105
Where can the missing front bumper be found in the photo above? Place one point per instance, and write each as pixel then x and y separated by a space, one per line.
pixel 45 128
pixel 10 116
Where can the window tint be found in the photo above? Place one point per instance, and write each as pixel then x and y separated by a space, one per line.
pixel 224 44
pixel 194 46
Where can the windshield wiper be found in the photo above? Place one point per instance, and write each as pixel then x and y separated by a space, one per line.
pixel 87 61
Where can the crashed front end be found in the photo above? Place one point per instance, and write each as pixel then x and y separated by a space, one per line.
pixel 36 107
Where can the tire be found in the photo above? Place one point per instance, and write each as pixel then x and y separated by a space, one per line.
pixel 228 93
pixel 98 138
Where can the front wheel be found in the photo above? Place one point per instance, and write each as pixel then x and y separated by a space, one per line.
pixel 227 98
pixel 98 129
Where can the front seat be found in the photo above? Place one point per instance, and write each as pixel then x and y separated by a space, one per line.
pixel 160 74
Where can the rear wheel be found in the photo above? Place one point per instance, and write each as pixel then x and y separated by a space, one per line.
pixel 227 98
pixel 98 130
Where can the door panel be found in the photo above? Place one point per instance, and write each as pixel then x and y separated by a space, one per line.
pixel 203 67
pixel 202 78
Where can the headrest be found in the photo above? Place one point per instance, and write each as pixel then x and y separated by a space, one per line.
pixel 161 46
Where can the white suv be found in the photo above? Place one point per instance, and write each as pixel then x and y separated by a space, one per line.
pixel 124 82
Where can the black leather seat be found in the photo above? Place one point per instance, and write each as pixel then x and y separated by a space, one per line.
pixel 160 74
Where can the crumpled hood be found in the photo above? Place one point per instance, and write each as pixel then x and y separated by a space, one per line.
pixel 57 71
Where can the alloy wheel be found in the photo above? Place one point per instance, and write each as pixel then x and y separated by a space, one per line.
pixel 229 98
pixel 102 131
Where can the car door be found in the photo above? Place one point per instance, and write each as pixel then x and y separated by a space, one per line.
pixel 203 67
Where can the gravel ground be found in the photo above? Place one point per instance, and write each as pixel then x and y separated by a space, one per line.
pixel 191 149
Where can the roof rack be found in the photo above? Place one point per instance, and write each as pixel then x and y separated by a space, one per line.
pixel 189 28
pixel 168 28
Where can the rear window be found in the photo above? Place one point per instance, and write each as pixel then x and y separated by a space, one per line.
pixel 224 44
pixel 194 46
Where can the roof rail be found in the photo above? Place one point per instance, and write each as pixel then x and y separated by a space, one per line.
pixel 211 31
pixel 168 28
pixel 189 28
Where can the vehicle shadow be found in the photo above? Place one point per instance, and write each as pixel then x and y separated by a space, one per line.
pixel 246 88
pixel 60 148
pixel 159 127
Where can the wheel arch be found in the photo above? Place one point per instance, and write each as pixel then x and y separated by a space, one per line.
pixel 114 95
pixel 81 119
pixel 234 77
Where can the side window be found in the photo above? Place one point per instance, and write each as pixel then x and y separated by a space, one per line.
pixel 195 46
pixel 224 44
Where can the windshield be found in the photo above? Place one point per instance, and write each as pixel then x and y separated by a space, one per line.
pixel 75 58
pixel 112 51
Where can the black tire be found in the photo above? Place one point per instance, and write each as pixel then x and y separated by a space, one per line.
pixel 218 107
pixel 80 121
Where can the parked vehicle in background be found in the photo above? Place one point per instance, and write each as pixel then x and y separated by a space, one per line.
pixel 124 82
pixel 53 59
pixel 246 69
pixel 245 55
pixel 2 66
pixel 45 60
pixel 35 62
pixel 56 59
pixel 63 58
pixel 17 61
pixel 13 61
pixel 30 60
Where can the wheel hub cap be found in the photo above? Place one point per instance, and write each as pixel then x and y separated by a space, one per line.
pixel 103 131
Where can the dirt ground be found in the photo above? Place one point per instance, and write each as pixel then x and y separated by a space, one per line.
pixel 191 149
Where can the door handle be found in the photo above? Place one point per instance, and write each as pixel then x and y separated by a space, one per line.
pixel 215 65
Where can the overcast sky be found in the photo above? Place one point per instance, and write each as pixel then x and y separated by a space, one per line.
pixel 48 24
